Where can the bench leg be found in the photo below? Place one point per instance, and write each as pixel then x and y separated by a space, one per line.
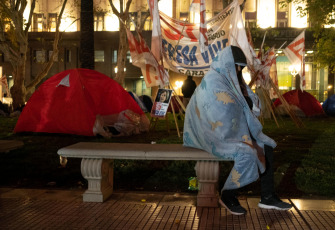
pixel 208 176
pixel 99 174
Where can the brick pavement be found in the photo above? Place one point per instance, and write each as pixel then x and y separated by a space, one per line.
pixel 57 209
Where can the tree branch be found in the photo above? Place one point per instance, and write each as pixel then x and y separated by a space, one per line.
pixel 32 8
pixel 117 13
pixel 54 54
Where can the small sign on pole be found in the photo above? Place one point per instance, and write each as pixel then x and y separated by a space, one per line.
pixel 161 103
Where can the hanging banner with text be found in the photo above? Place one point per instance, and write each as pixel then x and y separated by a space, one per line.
pixel 181 47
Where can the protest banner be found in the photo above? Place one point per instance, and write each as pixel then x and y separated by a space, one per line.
pixel 181 48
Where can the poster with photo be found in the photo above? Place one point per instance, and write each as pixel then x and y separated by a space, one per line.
pixel 161 103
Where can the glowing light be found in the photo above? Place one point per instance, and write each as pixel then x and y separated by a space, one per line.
pixel 67 24
pixel 239 25
pixel 265 13
pixel 166 7
pixel 141 77
pixel 309 51
pixel 27 10
pixel 283 87
pixel 112 22
pixel 296 20
pixel 246 76
pixel 330 86
pixel 195 18
pixel 178 84
pixel 294 69
pixel 116 69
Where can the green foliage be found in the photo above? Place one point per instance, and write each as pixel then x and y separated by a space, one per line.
pixel 321 13
pixel 317 174
pixel 326 48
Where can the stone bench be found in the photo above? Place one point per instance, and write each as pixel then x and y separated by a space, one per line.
pixel 97 166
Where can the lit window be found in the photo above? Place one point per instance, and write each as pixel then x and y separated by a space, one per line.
pixel 114 56
pixel 50 55
pixel 99 56
pixel 133 16
pixel 99 24
pixel 39 56
pixel 148 22
pixel 282 15
pixel 266 14
pixel 183 16
pixel 129 57
pixel 250 19
pixel 38 23
pixel 52 22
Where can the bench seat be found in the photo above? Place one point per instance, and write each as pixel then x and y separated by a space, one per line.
pixel 97 166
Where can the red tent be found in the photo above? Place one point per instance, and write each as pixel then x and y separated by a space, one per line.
pixel 69 102
pixel 306 102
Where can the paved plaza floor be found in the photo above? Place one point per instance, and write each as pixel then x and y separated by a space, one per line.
pixel 64 209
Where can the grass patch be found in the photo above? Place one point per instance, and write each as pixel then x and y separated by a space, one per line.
pixel 304 160
pixel 317 171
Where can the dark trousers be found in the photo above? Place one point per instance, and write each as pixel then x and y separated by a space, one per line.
pixel 267 180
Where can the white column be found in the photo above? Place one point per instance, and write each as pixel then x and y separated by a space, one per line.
pixel 99 174
pixel 208 176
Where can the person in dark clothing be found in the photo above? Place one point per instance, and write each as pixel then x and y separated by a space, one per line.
pixel 188 89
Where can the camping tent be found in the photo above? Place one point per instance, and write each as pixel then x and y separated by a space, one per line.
pixel 138 101
pixel 329 106
pixel 147 101
pixel 81 102
pixel 302 103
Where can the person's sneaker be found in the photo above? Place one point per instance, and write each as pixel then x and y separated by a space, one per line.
pixel 231 203
pixel 273 202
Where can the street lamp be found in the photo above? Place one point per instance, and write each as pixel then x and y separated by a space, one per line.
pixel 179 84
pixel 294 69
pixel 116 69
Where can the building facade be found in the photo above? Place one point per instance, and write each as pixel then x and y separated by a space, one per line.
pixel 281 22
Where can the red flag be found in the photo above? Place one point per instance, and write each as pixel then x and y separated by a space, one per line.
pixel 295 52
pixel 274 77
pixel 156 40
pixel 154 74
pixel 266 63
pixel 200 6
pixel 249 37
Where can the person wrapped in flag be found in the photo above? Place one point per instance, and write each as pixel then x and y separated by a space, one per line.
pixel 221 118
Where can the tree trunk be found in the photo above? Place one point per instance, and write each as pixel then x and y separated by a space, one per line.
pixel 87 35
pixel 123 42
pixel 16 49
pixel 122 55
pixel 18 91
